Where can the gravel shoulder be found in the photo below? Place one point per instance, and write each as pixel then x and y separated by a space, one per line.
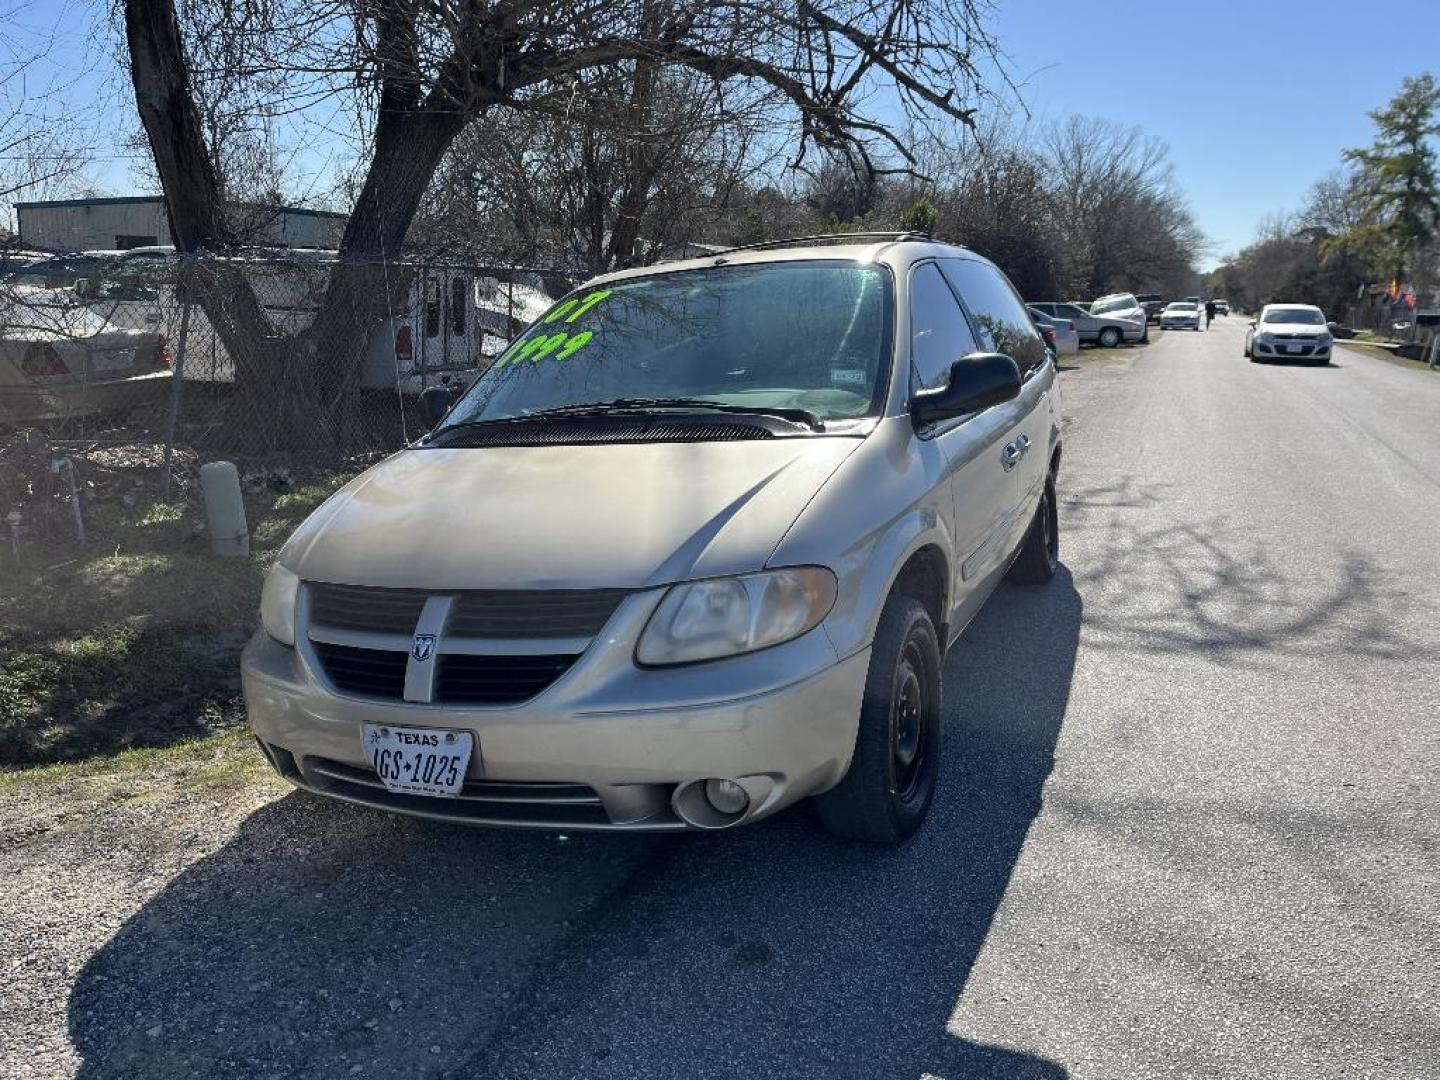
pixel 184 913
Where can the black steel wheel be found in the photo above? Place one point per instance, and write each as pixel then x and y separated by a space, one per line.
pixel 888 789
pixel 1039 556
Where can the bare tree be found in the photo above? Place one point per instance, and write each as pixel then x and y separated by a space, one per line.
pixel 418 71
pixel 1122 218
pixel 636 160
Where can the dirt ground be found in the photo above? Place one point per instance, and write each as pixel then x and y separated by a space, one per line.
pixel 144 905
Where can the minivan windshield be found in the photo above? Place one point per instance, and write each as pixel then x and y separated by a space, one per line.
pixel 1306 316
pixel 1114 303
pixel 810 336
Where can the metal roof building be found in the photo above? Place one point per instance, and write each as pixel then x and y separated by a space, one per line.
pixel 107 224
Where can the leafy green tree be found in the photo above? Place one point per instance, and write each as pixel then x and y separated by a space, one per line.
pixel 920 216
pixel 1397 179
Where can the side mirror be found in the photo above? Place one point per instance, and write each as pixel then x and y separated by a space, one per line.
pixel 976 382
pixel 435 402
pixel 1254 323
pixel 85 289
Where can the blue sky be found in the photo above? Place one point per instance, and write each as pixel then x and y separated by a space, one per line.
pixel 1256 100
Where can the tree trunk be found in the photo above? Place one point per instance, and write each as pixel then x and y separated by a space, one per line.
pixel 282 379
pixel 365 287
pixel 194 198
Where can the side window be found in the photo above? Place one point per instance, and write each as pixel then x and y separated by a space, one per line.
pixel 1004 324
pixel 432 306
pixel 458 286
pixel 939 333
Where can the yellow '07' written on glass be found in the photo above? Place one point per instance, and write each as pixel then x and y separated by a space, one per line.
pixel 561 344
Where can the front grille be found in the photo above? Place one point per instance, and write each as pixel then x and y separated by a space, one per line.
pixel 362 636
pixel 359 607
pixel 366 672
pixel 495 680
pixel 557 613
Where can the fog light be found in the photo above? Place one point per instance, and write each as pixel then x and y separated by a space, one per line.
pixel 726 796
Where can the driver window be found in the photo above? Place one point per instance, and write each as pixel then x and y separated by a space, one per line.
pixel 939 332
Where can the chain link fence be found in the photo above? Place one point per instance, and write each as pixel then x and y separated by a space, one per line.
pixel 120 374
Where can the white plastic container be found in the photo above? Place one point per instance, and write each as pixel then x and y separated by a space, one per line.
pixel 224 510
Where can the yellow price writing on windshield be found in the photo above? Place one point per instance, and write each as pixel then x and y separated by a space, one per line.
pixel 562 344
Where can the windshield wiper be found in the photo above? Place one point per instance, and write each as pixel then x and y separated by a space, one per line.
pixel 633 405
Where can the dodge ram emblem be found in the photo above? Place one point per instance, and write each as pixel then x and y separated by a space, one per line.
pixel 423 647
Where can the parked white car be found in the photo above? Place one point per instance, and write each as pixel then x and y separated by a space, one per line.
pixel 1126 307
pixel 1289 332
pixel 1181 315
pixel 60 359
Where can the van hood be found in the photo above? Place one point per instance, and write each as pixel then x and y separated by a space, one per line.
pixel 587 516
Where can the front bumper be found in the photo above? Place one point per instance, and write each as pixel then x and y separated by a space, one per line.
pixel 1180 324
pixel 1309 352
pixel 607 746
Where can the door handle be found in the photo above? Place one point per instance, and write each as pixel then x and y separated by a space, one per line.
pixel 1011 455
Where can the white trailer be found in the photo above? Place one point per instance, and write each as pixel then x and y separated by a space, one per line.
pixel 456 319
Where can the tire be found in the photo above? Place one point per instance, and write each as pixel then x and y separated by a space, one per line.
pixel 1109 337
pixel 888 789
pixel 1040 552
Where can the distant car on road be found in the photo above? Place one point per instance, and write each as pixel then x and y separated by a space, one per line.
pixel 1093 329
pixel 1064 336
pixel 1289 332
pixel 59 359
pixel 1124 306
pixel 1181 315
pixel 1222 307
pixel 1153 303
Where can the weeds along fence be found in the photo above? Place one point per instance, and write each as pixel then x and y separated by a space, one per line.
pixel 145 364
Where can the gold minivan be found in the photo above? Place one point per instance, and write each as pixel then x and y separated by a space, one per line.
pixel 691 550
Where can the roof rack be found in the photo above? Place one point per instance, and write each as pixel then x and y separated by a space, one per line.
pixel 822 238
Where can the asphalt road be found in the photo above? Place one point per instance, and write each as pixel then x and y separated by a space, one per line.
pixel 1188 820
pixel 1187 826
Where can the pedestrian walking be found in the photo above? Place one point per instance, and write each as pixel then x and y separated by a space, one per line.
pixel 1209 312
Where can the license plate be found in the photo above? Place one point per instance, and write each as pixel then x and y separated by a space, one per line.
pixel 418 761
pixel 1292 348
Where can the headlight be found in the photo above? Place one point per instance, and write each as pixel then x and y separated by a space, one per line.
pixel 277 604
pixel 707 620
pixel 1263 338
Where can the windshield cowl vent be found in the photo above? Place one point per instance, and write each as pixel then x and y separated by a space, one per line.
pixel 607 430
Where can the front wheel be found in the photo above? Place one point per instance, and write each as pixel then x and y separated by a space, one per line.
pixel 1109 337
pixel 887 792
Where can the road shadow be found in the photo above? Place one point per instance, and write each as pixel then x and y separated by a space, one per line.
pixel 781 951
pixel 1165 581
pixel 322 938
